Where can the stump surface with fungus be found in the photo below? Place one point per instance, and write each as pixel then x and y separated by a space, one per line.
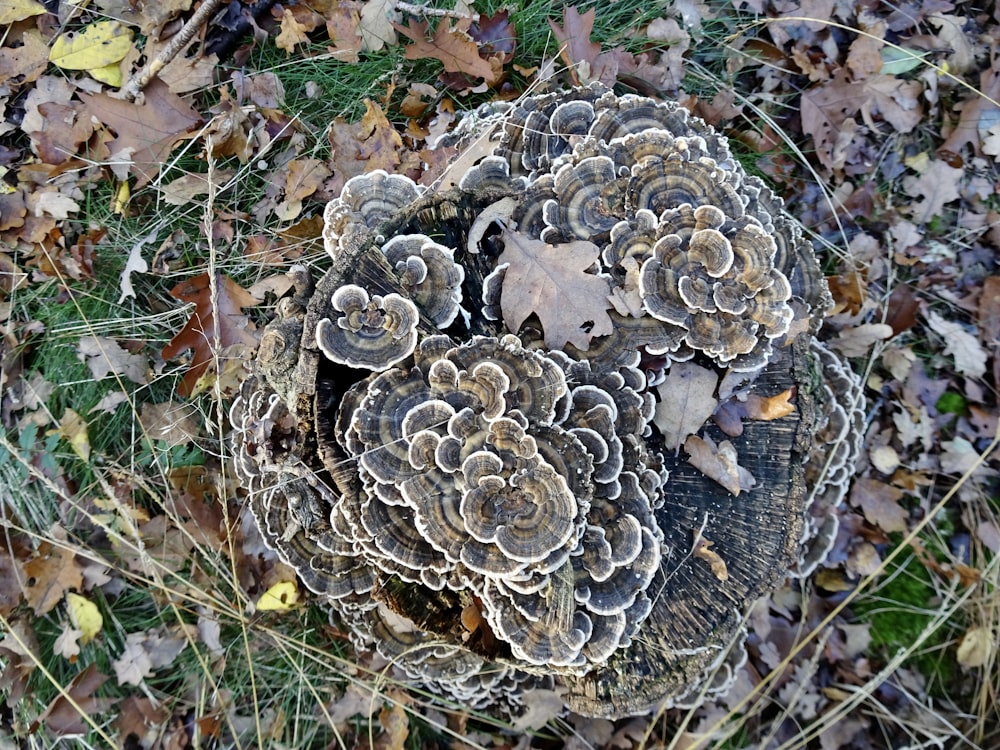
pixel 482 489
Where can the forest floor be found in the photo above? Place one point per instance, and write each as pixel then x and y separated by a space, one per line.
pixel 138 608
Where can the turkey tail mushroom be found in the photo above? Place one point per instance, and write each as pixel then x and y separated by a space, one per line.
pixel 494 514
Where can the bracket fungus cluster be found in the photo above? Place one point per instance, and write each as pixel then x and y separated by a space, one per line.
pixel 458 437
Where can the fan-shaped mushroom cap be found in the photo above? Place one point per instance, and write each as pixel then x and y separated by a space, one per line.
pixel 428 274
pixel 587 201
pixel 364 202
pixel 372 332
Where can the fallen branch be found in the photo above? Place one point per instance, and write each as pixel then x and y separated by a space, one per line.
pixel 180 40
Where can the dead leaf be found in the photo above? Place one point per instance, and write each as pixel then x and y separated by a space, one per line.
pixel 880 504
pixel 451 46
pixel 73 430
pixel 552 282
pixel 378 18
pixel 84 615
pixel 141 717
pixel 134 264
pixel 186 188
pixel 96 48
pixel 303 179
pixel 173 422
pixel 936 185
pixel 67 643
pixel 687 400
pixel 281 597
pixel 828 110
pixel 343 26
pixel 395 728
pixel 147 651
pixel 858 341
pixel 774 407
pixel 17 10
pixel 105 356
pixel 976 647
pixel 715 562
pixel 66 715
pixel 49 575
pixel 719 463
pixel 978 119
pixel 884 458
pixel 145 133
pixel 292 32
pixel 217 322
pixel 541 706
pixel 970 357
pixel 361 147
pixel 357 699
pixel 576 49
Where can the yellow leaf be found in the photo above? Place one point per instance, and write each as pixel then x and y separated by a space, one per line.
pixel 85 616
pixel 17 10
pixel 109 74
pixel 769 409
pixel 281 597
pixel 122 197
pixel 73 430
pixel 97 46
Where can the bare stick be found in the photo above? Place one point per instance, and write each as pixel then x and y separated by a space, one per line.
pixel 423 10
pixel 180 40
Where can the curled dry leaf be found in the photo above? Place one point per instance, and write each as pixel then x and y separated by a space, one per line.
pixel 703 552
pixel 977 646
pixel 719 463
pixel 73 430
pixel 84 615
pixel 770 408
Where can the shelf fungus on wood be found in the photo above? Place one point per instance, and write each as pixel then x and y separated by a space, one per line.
pixel 473 437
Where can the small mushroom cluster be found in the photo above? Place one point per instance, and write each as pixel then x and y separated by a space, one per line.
pixel 492 512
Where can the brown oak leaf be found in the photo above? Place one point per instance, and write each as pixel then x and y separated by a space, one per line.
pixel 50 574
pixel 451 46
pixel 552 282
pixel 217 323
pixel 584 57
pixel 145 132
pixel 880 504
pixel 363 146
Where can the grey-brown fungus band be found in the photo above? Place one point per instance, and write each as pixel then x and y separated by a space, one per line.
pixel 495 514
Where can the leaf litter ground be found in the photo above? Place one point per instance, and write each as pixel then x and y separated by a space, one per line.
pixel 878 126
